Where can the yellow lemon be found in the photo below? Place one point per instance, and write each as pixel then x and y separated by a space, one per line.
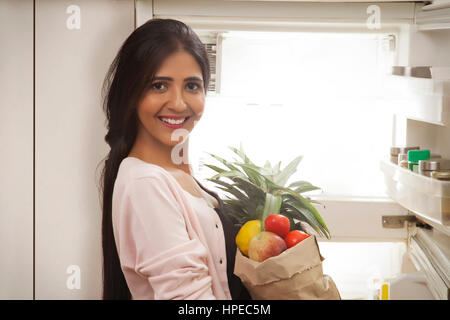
pixel 246 233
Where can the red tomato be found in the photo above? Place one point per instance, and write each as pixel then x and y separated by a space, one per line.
pixel 294 237
pixel 278 224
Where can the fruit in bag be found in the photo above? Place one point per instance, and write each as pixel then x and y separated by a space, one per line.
pixel 294 237
pixel 278 224
pixel 246 233
pixel 264 245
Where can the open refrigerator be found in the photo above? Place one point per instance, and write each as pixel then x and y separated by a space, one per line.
pixel 424 105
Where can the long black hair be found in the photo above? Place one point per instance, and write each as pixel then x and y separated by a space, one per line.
pixel 127 79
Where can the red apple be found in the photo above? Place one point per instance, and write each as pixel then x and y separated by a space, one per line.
pixel 278 224
pixel 264 245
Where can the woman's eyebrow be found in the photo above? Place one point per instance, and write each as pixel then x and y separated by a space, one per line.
pixel 171 79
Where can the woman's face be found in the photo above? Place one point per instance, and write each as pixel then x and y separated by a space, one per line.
pixel 176 91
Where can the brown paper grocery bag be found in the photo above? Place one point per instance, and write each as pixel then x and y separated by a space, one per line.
pixel 295 274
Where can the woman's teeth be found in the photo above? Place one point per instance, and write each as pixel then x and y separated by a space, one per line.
pixel 173 121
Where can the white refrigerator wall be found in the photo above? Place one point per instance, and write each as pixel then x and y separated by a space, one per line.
pixel 429 48
pixel 75 43
pixel 16 139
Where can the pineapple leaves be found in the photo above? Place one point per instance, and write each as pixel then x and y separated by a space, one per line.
pixel 277 168
pixel 268 166
pixel 302 186
pixel 252 173
pixel 225 162
pixel 304 207
pixel 259 191
pixel 282 177
pixel 272 205
pixel 252 190
pixel 233 190
pixel 217 169
pixel 241 153
pixel 232 173
pixel 257 177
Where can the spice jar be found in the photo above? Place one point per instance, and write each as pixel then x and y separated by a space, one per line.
pixel 426 167
pixel 403 160
pixel 395 151
pixel 414 156
pixel 441 175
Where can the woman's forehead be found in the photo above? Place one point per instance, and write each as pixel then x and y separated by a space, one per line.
pixel 180 64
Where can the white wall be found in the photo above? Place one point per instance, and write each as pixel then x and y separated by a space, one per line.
pixel 50 209
pixel 70 67
pixel 16 157
pixel 320 11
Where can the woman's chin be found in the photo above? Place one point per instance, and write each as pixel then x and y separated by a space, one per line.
pixel 176 143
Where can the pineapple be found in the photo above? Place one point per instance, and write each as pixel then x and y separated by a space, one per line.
pixel 260 191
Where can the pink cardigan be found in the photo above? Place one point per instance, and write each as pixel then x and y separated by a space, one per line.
pixel 170 243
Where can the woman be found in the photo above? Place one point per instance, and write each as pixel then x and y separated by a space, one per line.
pixel 164 235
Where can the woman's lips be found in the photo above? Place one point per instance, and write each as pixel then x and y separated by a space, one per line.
pixel 173 126
pixel 174 117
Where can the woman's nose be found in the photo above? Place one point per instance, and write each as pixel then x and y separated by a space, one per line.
pixel 177 100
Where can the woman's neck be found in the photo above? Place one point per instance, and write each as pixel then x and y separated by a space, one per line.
pixel 165 156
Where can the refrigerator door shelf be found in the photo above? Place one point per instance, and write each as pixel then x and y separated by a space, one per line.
pixel 422 195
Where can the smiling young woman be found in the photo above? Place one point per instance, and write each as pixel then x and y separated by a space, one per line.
pixel 164 235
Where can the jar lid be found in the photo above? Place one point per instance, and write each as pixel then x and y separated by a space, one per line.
pixel 416 155
pixel 429 165
pixel 397 150
pixel 434 164
pixel 441 175
pixel 402 156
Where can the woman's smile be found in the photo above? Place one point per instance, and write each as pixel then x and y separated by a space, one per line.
pixel 172 122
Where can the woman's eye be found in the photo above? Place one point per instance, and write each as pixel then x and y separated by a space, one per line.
pixel 158 86
pixel 193 86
